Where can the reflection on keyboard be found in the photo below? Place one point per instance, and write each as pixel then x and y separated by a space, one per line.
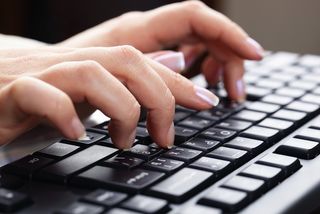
pixel 283 94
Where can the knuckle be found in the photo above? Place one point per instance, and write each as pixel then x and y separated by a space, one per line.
pixel 20 84
pixel 88 70
pixel 176 79
pixel 133 111
pixel 130 54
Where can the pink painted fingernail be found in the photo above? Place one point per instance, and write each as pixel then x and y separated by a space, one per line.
pixel 170 136
pixel 240 90
pixel 173 60
pixel 206 96
pixel 78 128
pixel 255 46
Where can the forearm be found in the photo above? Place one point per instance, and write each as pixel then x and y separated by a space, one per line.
pixel 9 41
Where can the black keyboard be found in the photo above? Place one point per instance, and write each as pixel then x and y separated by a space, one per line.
pixel 227 159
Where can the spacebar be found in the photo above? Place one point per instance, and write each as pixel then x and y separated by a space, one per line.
pixel 181 185
pixel 61 170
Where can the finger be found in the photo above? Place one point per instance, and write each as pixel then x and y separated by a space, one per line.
pixel 192 19
pixel 172 59
pixel 96 85
pixel 212 70
pixel 26 98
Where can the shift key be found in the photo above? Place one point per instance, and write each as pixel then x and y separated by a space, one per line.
pixel 59 171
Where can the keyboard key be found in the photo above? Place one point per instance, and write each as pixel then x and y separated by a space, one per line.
pixel 183 134
pixel 180 115
pixel 263 107
pixel 121 211
pixel 12 201
pixel 235 125
pixel 304 149
pixel 251 116
pixel 89 139
pixel 196 122
pixel 269 83
pixel 282 125
pixel 290 115
pixel 311 98
pixel 287 163
pixel 277 99
pixel 201 144
pixel 146 204
pixel 143 152
pixel 27 166
pixel 309 134
pixel 58 150
pixel 302 106
pixel 309 60
pixel 123 161
pixel 164 164
pixel 193 209
pixel 236 156
pixel 254 187
pixel 290 92
pixel 214 114
pixel 251 145
pixel 81 208
pixel 105 198
pixel 217 134
pixel 261 133
pixel 256 93
pixel 183 154
pixel 217 166
pixel 117 179
pixel 59 171
pixel 272 175
pixel 181 185
pixel 301 84
pixel 143 134
pixel 227 199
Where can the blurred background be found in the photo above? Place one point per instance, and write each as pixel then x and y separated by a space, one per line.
pixel 287 25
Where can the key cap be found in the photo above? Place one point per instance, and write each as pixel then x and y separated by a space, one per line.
pixel 58 150
pixel 181 108
pixel 256 93
pixel 214 114
pixel 146 204
pixel 304 149
pixel 183 154
pixel 251 145
pixel 201 144
pixel 117 179
pixel 226 199
pixel 263 107
pixel 309 134
pixel 309 60
pixel 81 208
pixel 302 106
pixel 287 163
pixel 283 125
pixel 123 161
pixel 301 84
pixel 143 152
pixel 236 156
pixel 121 211
pixel 101 128
pixel 164 164
pixel 200 209
pixel 217 166
pixel 180 115
pixel 196 122
pixel 217 134
pixel 11 201
pixel 251 116
pixel 143 134
pixel 290 92
pixel 89 139
pixel 277 99
pixel 269 83
pixel 183 134
pixel 290 115
pixel 311 98
pixel 181 185
pixel 272 175
pixel 260 133
pixel 254 187
pixel 59 171
pixel 235 125
pixel 27 166
pixel 105 198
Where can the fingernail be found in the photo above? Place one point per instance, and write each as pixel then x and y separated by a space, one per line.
pixel 78 128
pixel 130 142
pixel 170 136
pixel 173 60
pixel 255 46
pixel 206 96
pixel 240 90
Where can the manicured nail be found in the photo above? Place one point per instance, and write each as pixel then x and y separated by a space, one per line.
pixel 206 96
pixel 240 90
pixel 78 128
pixel 170 136
pixel 173 60
pixel 254 45
pixel 130 142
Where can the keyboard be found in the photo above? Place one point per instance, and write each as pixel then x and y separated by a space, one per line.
pixel 260 156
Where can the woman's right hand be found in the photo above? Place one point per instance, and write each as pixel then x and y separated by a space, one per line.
pixel 45 83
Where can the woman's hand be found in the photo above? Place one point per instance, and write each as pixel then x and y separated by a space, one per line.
pixel 191 26
pixel 44 83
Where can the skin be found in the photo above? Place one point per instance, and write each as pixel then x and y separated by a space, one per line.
pixel 35 82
